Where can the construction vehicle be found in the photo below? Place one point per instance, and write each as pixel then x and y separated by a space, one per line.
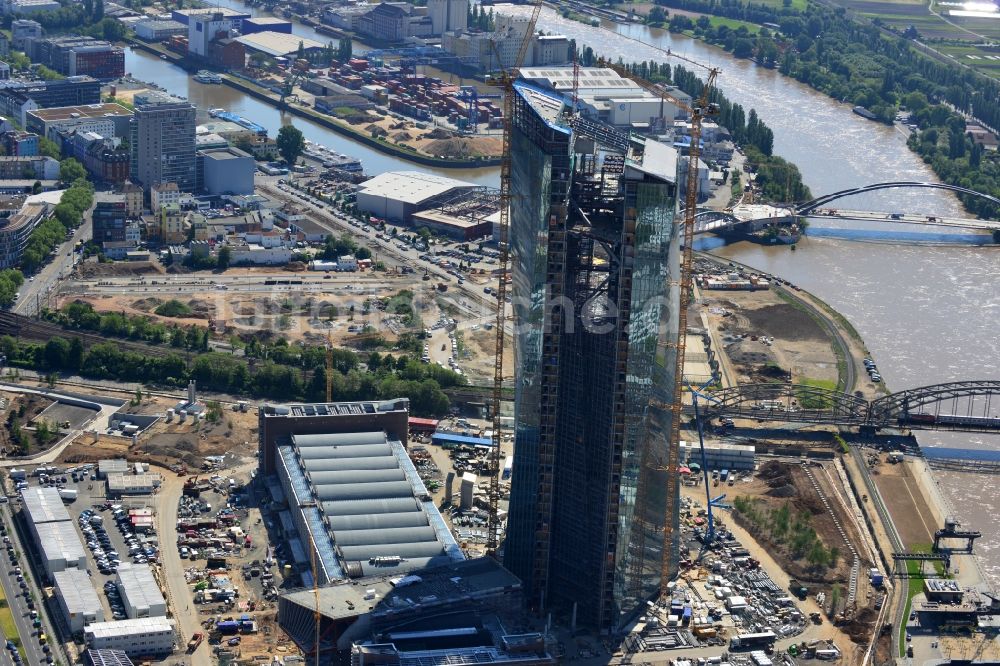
pixel 195 641
pixel 506 83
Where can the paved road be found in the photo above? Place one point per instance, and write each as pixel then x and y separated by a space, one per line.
pixel 35 292
pixel 19 605
pixel 178 593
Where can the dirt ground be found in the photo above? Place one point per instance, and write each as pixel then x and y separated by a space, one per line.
pixel 906 503
pixel 92 269
pixel 746 322
pixel 172 443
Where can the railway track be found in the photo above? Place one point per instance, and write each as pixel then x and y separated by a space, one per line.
pixel 42 331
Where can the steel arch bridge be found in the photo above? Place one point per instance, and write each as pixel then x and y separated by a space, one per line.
pixel 923 405
pixel 965 405
pixel 818 202
pixel 788 402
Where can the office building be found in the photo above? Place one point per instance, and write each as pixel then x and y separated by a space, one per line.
pixel 139 637
pixel 109 217
pixel 23 29
pixel 163 143
pixel 16 228
pixel 226 171
pixel 106 118
pixel 77 598
pixel 78 55
pixel 595 248
pixel 17 98
pixel 140 592
pixel 448 15
pixel 395 22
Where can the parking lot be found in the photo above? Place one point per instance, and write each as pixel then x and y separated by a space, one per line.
pixel 109 538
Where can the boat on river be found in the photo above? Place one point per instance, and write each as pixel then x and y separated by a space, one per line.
pixel 205 76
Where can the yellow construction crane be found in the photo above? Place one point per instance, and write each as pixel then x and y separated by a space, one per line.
pixel 506 83
pixel 698 111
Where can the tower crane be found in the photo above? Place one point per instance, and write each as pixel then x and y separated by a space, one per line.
pixel 506 82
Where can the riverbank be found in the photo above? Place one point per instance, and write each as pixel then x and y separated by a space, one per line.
pixel 273 100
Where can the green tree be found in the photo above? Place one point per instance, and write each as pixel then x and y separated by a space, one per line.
pixel 70 170
pixel 657 16
pixel 301 54
pixel 74 358
pixel 99 11
pixel 49 148
pixel 290 143
pixel 225 256
pixel 344 49
pixel 57 353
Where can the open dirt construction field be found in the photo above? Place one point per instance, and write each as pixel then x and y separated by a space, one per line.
pixel 767 339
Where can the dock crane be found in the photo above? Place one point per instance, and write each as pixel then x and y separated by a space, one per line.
pixel 506 82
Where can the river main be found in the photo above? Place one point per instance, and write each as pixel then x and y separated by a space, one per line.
pixel 928 312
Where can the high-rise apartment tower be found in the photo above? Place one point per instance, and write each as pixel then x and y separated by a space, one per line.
pixel 163 141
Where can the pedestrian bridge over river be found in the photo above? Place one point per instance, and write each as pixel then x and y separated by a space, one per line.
pixel 756 216
pixel 969 406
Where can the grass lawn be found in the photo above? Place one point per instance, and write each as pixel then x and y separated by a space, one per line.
pixel 797 5
pixel 7 625
pixel 987 62
pixel 733 24
pixel 816 402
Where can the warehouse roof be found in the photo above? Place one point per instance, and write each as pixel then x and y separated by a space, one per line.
pixel 59 541
pixel 78 592
pixel 376 507
pixel 411 187
pixel 277 44
pixel 139 625
pixel 43 505
pixel 266 20
pixel 138 587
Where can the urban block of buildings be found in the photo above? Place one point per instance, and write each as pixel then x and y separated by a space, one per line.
pixel 74 55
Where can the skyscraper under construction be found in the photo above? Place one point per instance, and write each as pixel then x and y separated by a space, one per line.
pixel 596 266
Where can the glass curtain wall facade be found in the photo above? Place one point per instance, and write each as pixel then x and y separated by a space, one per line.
pixel 595 252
